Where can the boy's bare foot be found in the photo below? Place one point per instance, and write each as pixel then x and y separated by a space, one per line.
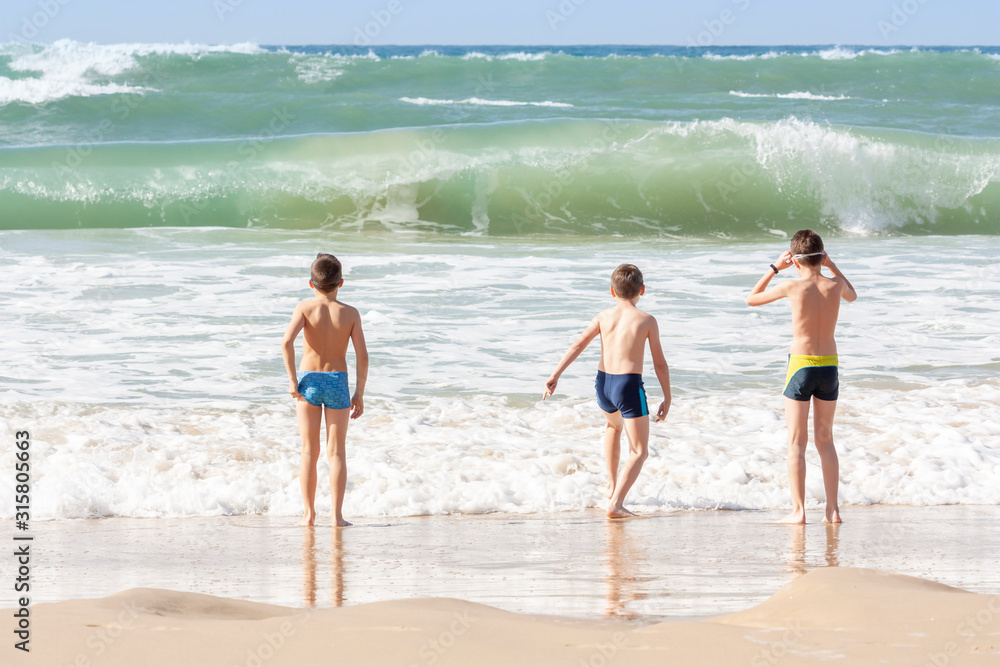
pixel 308 520
pixel 832 516
pixel 619 513
pixel 340 523
pixel 606 490
pixel 794 517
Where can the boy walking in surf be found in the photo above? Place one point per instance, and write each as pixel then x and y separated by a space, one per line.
pixel 624 330
pixel 812 362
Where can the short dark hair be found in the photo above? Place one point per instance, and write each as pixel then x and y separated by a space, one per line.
pixel 326 272
pixel 807 242
pixel 627 281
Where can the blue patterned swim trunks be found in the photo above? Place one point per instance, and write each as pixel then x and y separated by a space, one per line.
pixel 327 389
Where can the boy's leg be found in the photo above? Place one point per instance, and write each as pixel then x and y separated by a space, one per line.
pixel 612 450
pixel 823 435
pixel 309 417
pixel 797 418
pixel 336 450
pixel 637 431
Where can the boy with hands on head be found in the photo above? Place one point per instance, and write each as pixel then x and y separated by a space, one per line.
pixel 812 374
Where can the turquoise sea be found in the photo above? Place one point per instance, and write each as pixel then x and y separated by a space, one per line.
pixel 160 205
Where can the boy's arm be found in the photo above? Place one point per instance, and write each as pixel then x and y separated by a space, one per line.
pixel 288 350
pixel 661 369
pixel 361 370
pixel 758 296
pixel 848 293
pixel 572 353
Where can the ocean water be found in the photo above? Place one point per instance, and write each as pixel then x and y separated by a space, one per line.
pixel 160 206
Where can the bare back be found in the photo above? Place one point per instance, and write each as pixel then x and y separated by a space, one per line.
pixel 815 304
pixel 624 330
pixel 327 326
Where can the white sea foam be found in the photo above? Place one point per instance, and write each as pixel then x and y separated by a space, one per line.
pixel 524 57
pixel 839 53
pixel 67 68
pixel 318 69
pixel 753 56
pixel 371 55
pixel 842 53
pixel 37 91
pixel 834 53
pixel 791 96
pixel 481 102
pixel 513 55
pixel 477 454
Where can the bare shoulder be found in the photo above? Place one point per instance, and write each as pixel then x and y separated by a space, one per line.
pixel 604 315
pixel 643 318
pixel 648 322
pixel 835 282
pixel 789 288
pixel 348 313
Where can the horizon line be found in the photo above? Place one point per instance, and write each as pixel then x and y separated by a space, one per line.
pixel 512 44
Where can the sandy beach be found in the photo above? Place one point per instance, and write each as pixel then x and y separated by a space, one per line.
pixel 894 585
pixel 847 615
pixel 573 564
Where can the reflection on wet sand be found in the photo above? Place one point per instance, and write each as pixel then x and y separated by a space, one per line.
pixel 337 566
pixel 624 558
pixel 309 567
pixel 796 557
pixel 832 543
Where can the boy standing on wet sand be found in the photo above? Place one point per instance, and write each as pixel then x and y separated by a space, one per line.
pixel 624 330
pixel 812 362
pixel 322 388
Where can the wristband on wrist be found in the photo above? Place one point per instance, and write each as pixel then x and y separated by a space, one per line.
pixel 774 268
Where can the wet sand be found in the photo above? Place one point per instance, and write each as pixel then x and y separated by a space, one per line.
pixel 663 567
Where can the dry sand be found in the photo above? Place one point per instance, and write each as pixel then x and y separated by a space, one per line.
pixel 831 615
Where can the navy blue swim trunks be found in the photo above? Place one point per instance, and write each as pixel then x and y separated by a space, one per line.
pixel 809 376
pixel 326 388
pixel 621 393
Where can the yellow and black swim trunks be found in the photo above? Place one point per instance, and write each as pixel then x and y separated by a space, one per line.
pixel 810 376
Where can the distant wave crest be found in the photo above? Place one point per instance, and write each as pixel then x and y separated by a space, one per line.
pixel 791 96
pixel 481 102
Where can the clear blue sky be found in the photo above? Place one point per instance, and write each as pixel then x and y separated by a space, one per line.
pixel 681 22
